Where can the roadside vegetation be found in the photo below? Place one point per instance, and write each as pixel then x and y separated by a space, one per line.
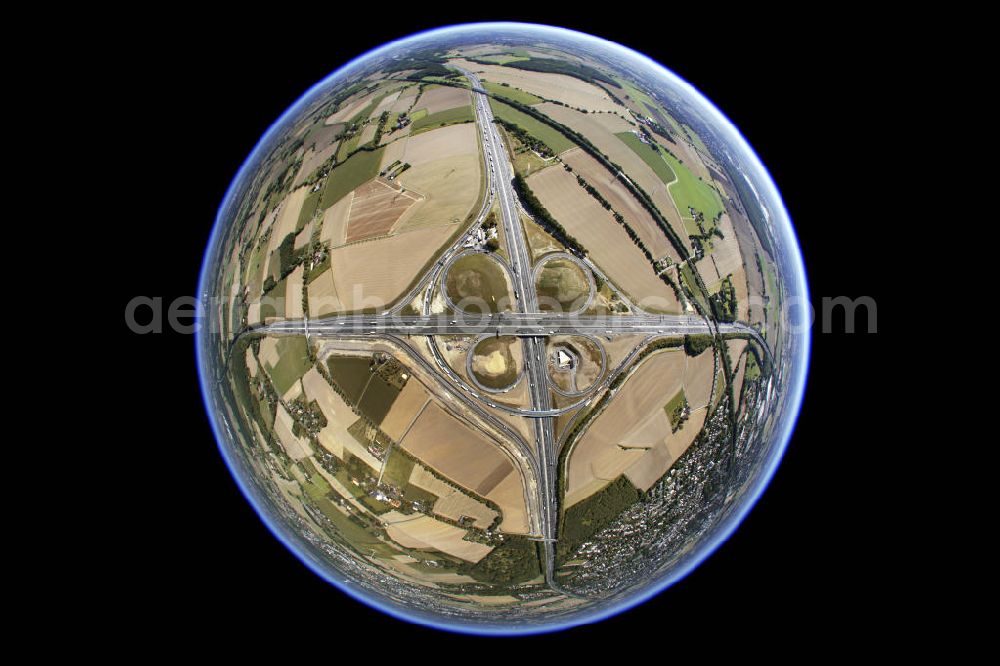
pixel 696 344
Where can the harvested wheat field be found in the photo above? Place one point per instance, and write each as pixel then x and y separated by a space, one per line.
pixel 623 201
pixel 646 471
pixel 375 273
pixel 735 349
pixel 509 496
pixel 393 152
pixel 421 477
pixel 468 458
pixel 322 294
pixel 633 423
pixel 293 294
pixel 404 100
pixel 348 110
pixel 445 171
pixel 404 410
pixel 456 450
pixel 334 229
pixel 698 373
pixel 455 505
pixel 742 296
pixel 450 188
pixel 449 141
pixel 375 208
pixel 442 98
pixel 741 368
pixel 726 252
pixel 606 241
pixel 387 103
pixel 288 216
pixel 368 133
pixel 423 532
pixel 304 237
pixel 296 448
pixel 337 412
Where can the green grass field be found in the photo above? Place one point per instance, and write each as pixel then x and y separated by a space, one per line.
pixel 293 362
pixel 362 166
pixel 515 94
pixel 460 114
pixel 649 155
pixel 480 279
pixel 685 188
pixel 695 139
pixel 546 134
pixel 689 191
pixel 358 537
pixel 398 467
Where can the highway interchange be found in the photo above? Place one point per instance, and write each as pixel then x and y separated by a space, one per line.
pixel 525 322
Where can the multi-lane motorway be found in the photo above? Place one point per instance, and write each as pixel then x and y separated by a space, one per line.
pixel 521 324
pixel 525 322
pixel 525 303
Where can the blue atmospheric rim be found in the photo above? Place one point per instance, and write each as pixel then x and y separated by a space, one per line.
pixel 704 550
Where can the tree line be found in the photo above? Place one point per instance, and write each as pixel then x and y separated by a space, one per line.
pixel 544 216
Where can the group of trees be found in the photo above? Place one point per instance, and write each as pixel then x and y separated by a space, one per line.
pixel 426 63
pixel 515 560
pixel 492 244
pixel 587 517
pixel 288 259
pixel 696 344
pixel 308 417
pixel 723 302
pixel 382 119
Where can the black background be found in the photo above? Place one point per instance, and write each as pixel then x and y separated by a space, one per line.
pixel 181 104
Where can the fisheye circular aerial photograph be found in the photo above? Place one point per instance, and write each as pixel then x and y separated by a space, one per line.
pixel 499 328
